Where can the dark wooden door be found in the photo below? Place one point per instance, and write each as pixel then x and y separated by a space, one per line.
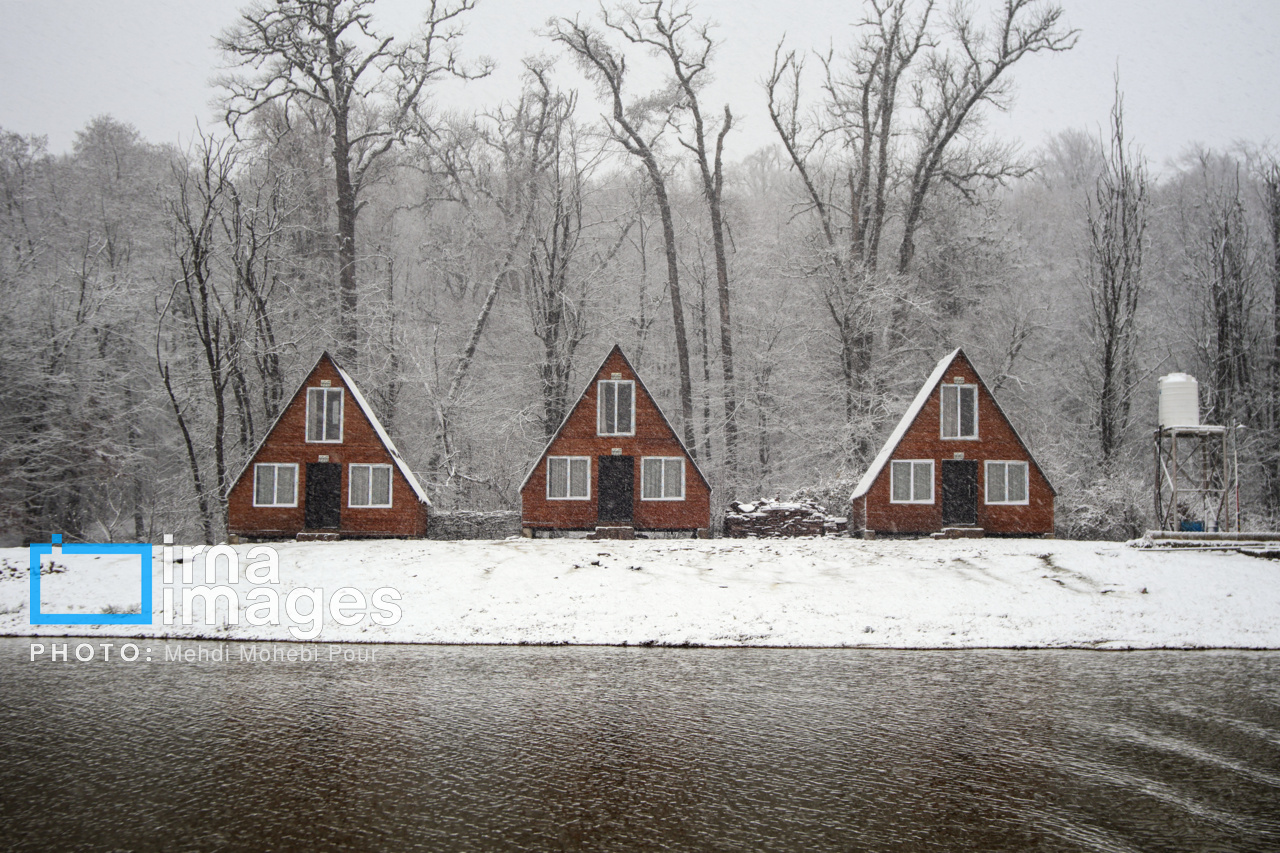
pixel 324 494
pixel 959 491
pixel 617 489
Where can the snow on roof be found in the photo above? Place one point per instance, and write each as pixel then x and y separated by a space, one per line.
pixel 368 413
pixel 563 421
pixel 382 434
pixel 696 467
pixel 877 465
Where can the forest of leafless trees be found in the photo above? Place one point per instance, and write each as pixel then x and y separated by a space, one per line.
pixel 158 306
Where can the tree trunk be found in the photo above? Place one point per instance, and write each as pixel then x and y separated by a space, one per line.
pixel 705 347
pixel 677 304
pixel 715 186
pixel 610 70
pixel 206 517
pixel 1271 185
pixel 1117 221
pixel 347 319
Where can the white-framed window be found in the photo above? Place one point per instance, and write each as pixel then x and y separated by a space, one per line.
pixel 1006 482
pixel 368 485
pixel 568 478
pixel 275 484
pixel 959 411
pixel 911 481
pixel 615 407
pixel 324 415
pixel 662 478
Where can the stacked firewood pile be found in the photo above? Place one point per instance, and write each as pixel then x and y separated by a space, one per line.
pixel 462 524
pixel 775 519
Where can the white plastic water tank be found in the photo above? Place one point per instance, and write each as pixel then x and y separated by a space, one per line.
pixel 1179 400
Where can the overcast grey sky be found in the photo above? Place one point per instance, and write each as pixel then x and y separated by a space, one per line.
pixel 1204 71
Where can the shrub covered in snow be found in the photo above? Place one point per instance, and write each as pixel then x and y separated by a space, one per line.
pixel 1115 508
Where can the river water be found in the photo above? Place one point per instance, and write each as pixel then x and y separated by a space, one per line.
pixel 579 748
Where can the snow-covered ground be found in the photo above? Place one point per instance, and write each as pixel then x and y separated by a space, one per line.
pixel 813 592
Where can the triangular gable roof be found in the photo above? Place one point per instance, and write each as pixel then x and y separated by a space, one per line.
pixel 913 411
pixel 382 434
pixel 365 408
pixel 582 397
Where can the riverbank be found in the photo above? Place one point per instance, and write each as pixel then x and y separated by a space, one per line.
pixel 989 593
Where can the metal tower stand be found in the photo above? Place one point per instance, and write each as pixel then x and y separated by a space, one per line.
pixel 1194 480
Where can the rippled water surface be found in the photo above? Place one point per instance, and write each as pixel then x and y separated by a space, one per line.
pixel 475 748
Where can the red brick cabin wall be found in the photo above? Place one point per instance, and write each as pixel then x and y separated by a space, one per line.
pixel 923 440
pixel 407 516
pixel 578 437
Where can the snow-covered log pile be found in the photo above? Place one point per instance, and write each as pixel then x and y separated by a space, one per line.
pixel 465 524
pixel 773 519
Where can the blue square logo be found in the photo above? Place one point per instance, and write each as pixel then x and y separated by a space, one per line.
pixel 40 618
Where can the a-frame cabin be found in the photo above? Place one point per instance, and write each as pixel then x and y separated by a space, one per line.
pixel 954 463
pixel 615 466
pixel 326 469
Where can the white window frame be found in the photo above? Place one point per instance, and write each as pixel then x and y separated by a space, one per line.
pixel 276 487
pixel 1026 482
pixel 913 463
pixel 942 417
pixel 663 489
pixel 368 474
pixel 568 478
pixel 342 414
pixel 600 430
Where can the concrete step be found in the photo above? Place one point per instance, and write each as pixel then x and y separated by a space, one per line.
pixel 619 532
pixel 967 532
pixel 318 536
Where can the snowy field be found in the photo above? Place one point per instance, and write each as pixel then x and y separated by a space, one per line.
pixel 815 592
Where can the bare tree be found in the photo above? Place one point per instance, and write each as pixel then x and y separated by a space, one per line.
pixel 558 312
pixel 327 55
pixel 1231 303
pixel 638 128
pixel 79 247
pixel 956 84
pixel 493 170
pixel 1218 246
pixel 909 77
pixel 670 30
pixel 557 291
pixel 1117 217
pixel 1269 171
pixel 201 192
pixel 218 322
pixel 251 226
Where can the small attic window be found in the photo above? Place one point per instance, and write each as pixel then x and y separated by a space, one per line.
pixel 959 411
pixel 616 408
pixel 324 415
